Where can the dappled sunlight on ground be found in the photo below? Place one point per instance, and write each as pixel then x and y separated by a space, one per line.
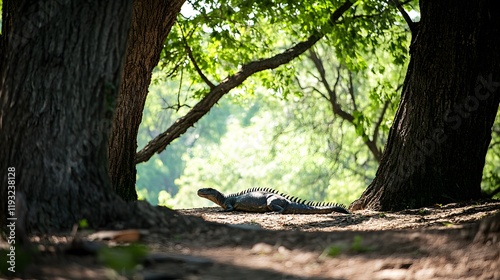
pixel 428 243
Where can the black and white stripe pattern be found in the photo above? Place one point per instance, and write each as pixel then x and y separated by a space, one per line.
pixel 287 196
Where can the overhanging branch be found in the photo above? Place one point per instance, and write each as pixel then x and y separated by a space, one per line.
pixel 411 24
pixel 180 126
pixel 195 64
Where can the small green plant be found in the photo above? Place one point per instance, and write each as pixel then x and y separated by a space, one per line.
pixel 83 223
pixel 123 259
pixel 357 247
pixel 424 211
pixel 331 251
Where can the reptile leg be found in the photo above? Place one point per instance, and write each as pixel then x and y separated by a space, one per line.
pixel 229 208
pixel 276 204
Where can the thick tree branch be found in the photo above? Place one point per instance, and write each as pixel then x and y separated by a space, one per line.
pixel 180 126
pixel 411 24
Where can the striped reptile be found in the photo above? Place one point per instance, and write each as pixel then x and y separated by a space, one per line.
pixel 262 200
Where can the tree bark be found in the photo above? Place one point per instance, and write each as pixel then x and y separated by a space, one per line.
pixel 58 88
pixel 9 8
pixel 151 23
pixel 437 144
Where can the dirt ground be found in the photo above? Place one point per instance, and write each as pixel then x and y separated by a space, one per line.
pixel 428 243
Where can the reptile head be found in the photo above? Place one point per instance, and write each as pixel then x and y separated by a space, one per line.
pixel 206 192
pixel 212 195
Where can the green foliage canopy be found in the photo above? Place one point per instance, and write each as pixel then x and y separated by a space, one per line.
pixel 215 38
pixel 277 129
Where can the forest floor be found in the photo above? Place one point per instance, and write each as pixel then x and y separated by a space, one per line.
pixel 427 243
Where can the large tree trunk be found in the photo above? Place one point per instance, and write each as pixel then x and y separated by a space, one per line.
pixel 437 144
pixel 58 88
pixel 151 23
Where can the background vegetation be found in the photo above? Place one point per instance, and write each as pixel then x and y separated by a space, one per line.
pixel 278 129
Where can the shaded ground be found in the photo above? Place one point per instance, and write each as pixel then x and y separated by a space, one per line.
pixel 427 243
